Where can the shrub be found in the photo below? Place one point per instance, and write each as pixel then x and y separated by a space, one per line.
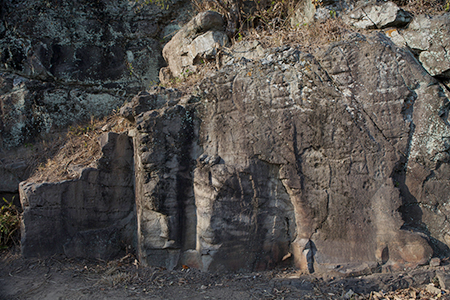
pixel 250 13
pixel 9 224
pixel 424 6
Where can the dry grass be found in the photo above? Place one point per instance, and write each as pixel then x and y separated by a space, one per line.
pixel 267 16
pixel 78 147
pixel 308 37
pixel 254 13
pixel 186 82
pixel 424 6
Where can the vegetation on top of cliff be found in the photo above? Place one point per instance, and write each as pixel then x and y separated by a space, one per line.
pixel 75 149
pixel 244 15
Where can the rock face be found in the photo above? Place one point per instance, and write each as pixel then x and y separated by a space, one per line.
pixel 164 150
pixel 66 61
pixel 330 151
pixel 334 162
pixel 303 157
pixel 92 216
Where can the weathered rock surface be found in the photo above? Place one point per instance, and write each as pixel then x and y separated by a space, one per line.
pixel 11 174
pixel 164 144
pixel 336 171
pixel 92 216
pixel 66 61
pixel 428 37
pixel 30 107
pixel 301 157
pixel 198 40
pixel 378 16
pixel 337 162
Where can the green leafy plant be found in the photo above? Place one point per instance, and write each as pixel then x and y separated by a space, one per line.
pixel 9 223
pixel 163 4
pixel 332 14
pixel 130 68
pixel 79 130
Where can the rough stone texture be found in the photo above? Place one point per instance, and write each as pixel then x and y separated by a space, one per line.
pixel 378 16
pixel 301 157
pixel 65 61
pixel 444 279
pixel 337 162
pixel 11 174
pixel 196 41
pixel 92 216
pixel 30 107
pixel 333 150
pixel 145 101
pixel 164 150
pixel 428 37
pixel 409 108
pixel 243 50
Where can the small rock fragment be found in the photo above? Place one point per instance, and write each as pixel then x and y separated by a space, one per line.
pixel 444 280
pixel 433 290
pixel 349 294
pixel 435 262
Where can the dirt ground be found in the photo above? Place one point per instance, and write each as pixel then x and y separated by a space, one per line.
pixel 62 278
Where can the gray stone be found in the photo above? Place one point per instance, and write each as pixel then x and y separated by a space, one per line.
pixel 198 40
pixel 30 107
pixel 146 101
pixel 435 262
pixel 166 213
pixel 11 174
pixel 428 37
pixel 91 216
pixel 249 50
pixel 74 61
pixel 444 280
pixel 433 290
pixel 378 16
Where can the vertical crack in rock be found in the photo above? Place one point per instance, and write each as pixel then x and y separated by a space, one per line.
pixel 164 193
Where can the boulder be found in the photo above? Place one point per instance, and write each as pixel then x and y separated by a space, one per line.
pixel 378 16
pixel 198 40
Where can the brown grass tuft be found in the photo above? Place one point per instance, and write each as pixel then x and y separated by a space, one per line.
pixel 77 148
